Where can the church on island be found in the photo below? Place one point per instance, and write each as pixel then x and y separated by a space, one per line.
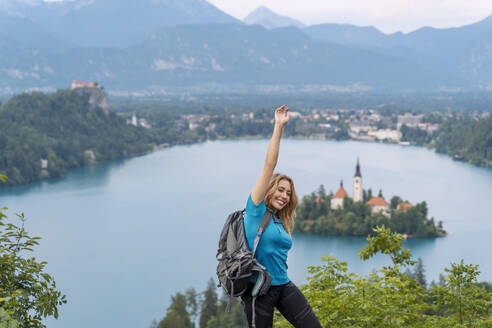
pixel 377 204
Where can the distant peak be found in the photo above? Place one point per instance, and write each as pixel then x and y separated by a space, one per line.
pixel 261 11
pixel 269 19
pixel 262 8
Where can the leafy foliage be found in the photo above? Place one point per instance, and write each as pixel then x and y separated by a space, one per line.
pixel 213 314
pixel 27 293
pixel 177 314
pixel 461 299
pixel 390 298
pixel 418 136
pixel 235 319
pixel 209 304
pixel 210 308
pixel 385 298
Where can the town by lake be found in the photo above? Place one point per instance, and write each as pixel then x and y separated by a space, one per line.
pixel 122 237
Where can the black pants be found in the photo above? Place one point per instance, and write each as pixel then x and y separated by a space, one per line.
pixel 288 299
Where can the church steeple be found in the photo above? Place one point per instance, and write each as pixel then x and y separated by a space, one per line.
pixel 357 169
pixel 358 191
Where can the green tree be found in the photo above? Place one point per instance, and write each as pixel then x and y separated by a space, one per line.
pixel 395 200
pixel 209 303
pixel 462 299
pixel 27 293
pixel 415 135
pixel 177 316
pixel 419 273
pixel 173 320
pixel 322 191
pixel 381 125
pixel 222 319
pixel 192 303
pixel 5 320
pixel 366 195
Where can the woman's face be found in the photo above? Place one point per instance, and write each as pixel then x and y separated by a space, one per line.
pixel 281 196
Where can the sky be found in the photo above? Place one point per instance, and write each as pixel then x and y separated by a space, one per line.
pixel 389 16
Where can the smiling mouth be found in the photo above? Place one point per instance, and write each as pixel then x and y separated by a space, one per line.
pixel 281 202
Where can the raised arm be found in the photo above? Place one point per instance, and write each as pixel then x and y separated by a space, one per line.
pixel 260 189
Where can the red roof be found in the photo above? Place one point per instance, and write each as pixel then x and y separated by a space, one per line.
pixel 377 201
pixel 404 206
pixel 341 193
pixel 78 83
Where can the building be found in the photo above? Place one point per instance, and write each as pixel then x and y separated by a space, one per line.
pixel 358 194
pixel 393 135
pixel 379 205
pixel 337 199
pixel 80 84
pixel 409 120
pixel 404 206
pixel 358 126
pixel 44 164
pixel 44 167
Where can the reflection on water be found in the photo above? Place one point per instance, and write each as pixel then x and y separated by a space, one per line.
pixel 79 178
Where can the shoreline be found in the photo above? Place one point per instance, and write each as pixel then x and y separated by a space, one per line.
pixel 163 146
pixel 405 236
pixel 400 143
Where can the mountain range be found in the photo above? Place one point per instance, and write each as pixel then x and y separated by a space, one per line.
pixel 191 46
pixel 112 23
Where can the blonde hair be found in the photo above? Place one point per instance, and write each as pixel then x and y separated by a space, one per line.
pixel 288 213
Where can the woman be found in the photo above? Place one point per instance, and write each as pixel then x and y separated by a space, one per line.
pixel 277 192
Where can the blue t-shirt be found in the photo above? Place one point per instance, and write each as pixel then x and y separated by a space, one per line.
pixel 274 244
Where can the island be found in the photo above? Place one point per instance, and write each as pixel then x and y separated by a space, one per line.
pixel 339 215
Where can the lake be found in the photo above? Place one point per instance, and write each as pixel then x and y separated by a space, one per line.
pixel 121 238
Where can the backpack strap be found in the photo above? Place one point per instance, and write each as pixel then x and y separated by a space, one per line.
pixel 267 217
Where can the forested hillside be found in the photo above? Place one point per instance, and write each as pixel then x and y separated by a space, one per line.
pixel 466 139
pixel 42 135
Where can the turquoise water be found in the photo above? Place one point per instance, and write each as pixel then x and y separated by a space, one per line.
pixel 121 238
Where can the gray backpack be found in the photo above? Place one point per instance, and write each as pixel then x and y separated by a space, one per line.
pixel 237 264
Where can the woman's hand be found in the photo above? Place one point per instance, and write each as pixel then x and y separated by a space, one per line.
pixel 282 115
